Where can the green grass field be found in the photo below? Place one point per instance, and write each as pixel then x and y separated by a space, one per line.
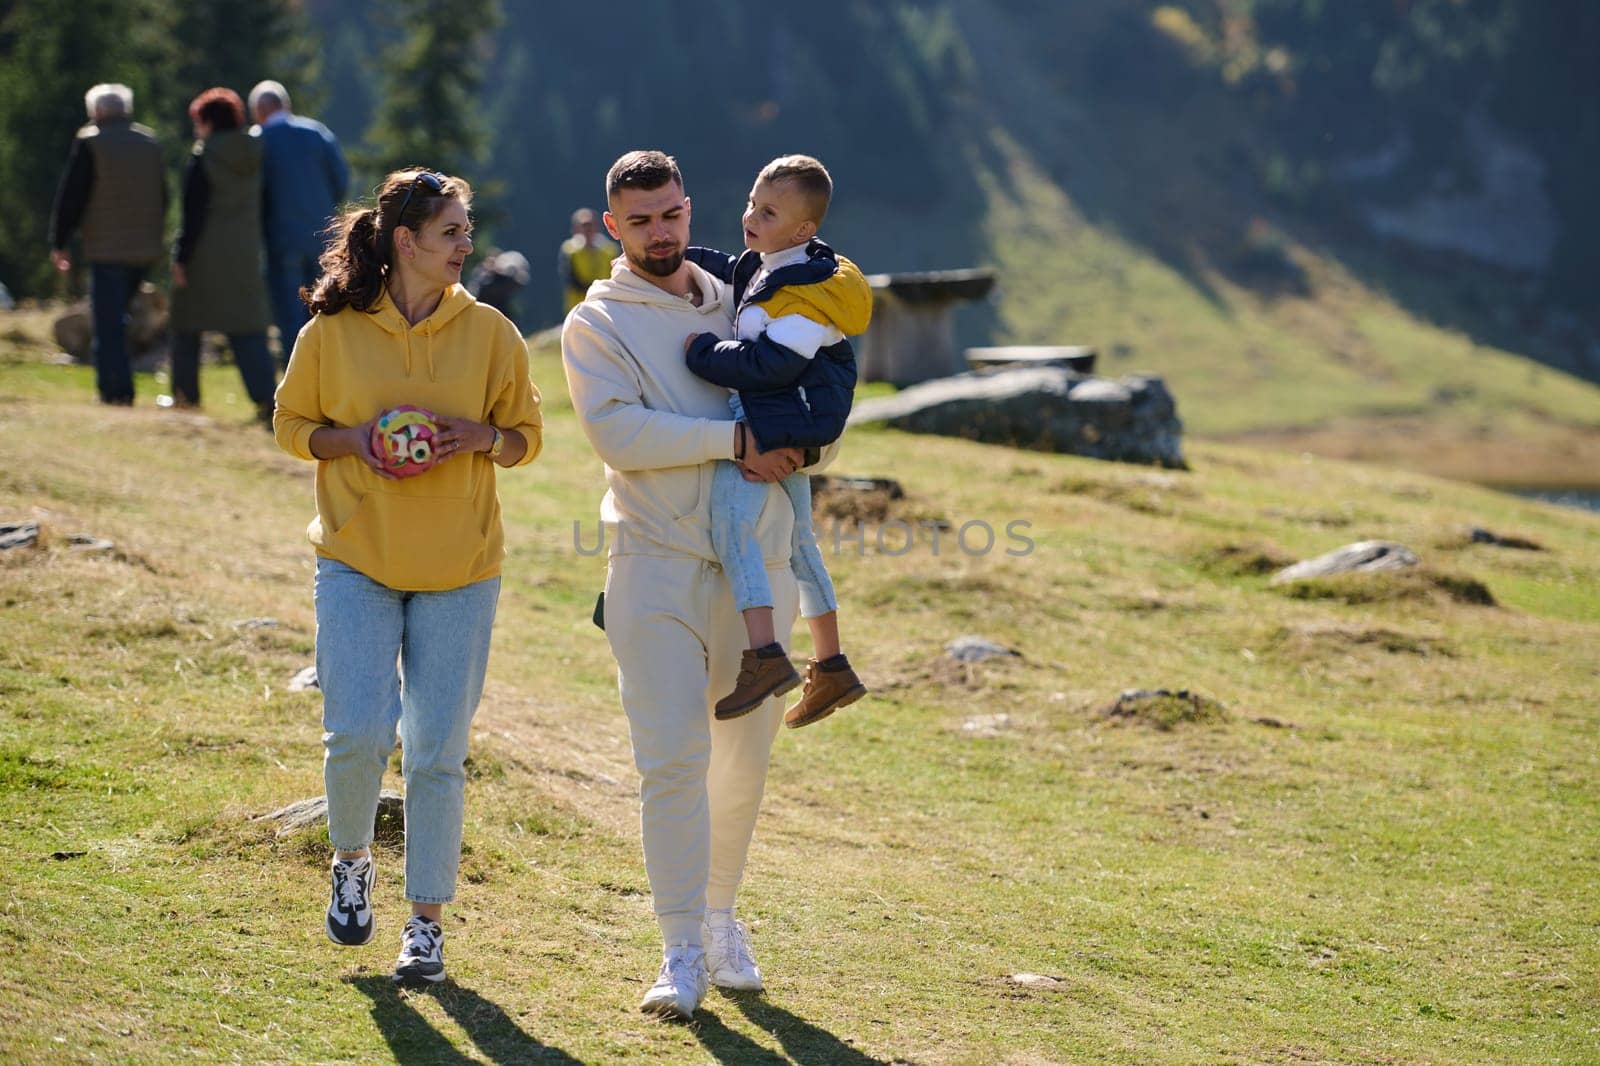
pixel 1383 852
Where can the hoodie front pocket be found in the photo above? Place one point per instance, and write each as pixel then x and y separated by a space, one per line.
pixel 412 542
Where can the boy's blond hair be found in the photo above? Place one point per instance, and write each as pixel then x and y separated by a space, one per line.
pixel 809 176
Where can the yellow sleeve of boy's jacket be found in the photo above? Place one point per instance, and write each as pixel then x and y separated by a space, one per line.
pixel 843 301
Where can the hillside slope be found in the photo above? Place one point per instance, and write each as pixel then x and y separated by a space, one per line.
pixel 1380 848
pixel 1131 222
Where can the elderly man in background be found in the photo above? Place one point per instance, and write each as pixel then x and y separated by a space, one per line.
pixel 304 180
pixel 112 190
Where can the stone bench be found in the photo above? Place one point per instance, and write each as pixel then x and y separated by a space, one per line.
pixel 1072 356
pixel 912 336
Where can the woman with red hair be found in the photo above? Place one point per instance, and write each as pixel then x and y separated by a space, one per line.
pixel 216 261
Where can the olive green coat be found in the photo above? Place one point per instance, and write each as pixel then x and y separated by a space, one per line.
pixel 226 291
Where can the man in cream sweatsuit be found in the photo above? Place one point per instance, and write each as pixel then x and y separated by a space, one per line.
pixel 669 613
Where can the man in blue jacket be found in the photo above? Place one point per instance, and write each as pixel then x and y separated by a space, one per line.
pixel 304 179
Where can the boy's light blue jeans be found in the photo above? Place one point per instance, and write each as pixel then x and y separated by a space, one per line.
pixel 415 660
pixel 735 507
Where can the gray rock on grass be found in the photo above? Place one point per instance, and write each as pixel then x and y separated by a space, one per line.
pixel 1361 557
pixel 18 535
pixel 1049 408
pixel 1479 535
pixel 389 829
pixel 975 649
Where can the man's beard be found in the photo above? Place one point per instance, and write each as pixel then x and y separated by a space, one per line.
pixel 661 267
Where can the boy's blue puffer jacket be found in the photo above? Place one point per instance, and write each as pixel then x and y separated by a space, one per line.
pixel 789 401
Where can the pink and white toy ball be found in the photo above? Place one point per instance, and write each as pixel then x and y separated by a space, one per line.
pixel 403 438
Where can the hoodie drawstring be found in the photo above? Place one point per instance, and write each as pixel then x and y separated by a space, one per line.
pixel 427 351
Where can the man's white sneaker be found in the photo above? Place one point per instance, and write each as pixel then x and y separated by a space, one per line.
pixel 728 958
pixel 680 986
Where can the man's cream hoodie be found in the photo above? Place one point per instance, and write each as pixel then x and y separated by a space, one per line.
pixel 657 426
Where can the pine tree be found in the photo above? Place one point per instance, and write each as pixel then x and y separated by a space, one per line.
pixel 430 112
pixel 50 55
pixel 236 43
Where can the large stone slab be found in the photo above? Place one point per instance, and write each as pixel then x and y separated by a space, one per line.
pixel 1047 408
pixel 1361 557
pixel 912 337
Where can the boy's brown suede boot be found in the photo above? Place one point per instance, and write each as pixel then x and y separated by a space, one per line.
pixel 760 677
pixel 827 689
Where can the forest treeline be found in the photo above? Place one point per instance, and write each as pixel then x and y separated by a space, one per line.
pixel 533 101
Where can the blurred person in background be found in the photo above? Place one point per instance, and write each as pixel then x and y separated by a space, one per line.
pixel 114 193
pixel 216 259
pixel 305 179
pixel 497 281
pixel 585 258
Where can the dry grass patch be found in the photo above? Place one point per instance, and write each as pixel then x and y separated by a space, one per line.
pixel 1318 639
pixel 1255 559
pixel 850 507
pixel 1418 583
pixel 934 674
pixel 1164 709
pixel 1462 539
pixel 1153 494
pixel 1532 450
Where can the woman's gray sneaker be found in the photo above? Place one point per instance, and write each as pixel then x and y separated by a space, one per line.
pixel 421 952
pixel 350 907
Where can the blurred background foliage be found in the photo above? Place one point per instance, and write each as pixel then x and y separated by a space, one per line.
pixel 1202 131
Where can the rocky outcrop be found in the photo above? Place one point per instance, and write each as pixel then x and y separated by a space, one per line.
pixel 1047 408
pixel 1507 220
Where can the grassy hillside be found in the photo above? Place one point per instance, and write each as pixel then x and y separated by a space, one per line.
pixel 1382 850
pixel 1343 370
pixel 1131 220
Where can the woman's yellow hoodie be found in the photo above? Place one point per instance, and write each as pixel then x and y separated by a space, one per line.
pixel 438 530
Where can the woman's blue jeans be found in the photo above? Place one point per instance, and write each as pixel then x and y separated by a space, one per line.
pixel 412 660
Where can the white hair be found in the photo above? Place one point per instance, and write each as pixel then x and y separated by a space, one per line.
pixel 269 92
pixel 108 100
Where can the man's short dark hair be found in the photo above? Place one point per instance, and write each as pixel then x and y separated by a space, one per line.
pixel 642 170
pixel 809 176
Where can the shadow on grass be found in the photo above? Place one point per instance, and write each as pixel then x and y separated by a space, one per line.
pixel 803 1043
pixel 413 1039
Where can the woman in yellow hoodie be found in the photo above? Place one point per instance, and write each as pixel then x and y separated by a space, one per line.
pixel 408 570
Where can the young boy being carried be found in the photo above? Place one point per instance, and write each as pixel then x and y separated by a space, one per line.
pixel 794 376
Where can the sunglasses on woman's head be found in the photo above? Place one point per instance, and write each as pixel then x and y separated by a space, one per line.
pixel 434 182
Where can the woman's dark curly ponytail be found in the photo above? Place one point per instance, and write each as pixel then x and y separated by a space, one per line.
pixel 352 269
pixel 361 241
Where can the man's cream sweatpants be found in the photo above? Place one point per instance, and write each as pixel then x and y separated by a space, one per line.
pixel 678 640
